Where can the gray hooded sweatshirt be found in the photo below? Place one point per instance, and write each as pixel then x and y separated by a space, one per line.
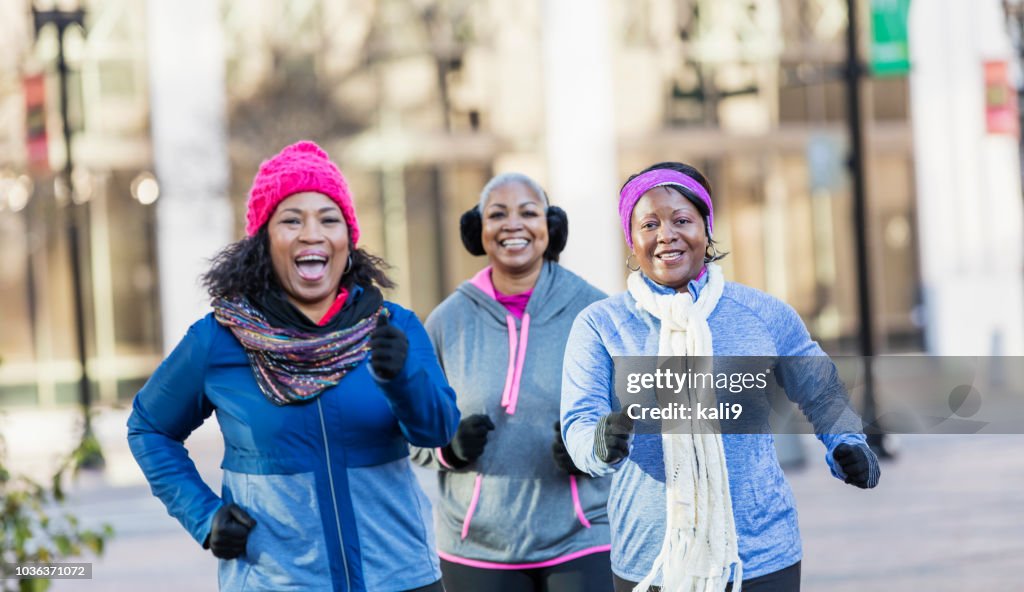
pixel 513 507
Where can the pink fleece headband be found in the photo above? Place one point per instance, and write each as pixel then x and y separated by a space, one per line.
pixel 641 184
pixel 298 168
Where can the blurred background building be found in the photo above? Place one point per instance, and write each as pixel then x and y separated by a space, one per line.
pixel 174 103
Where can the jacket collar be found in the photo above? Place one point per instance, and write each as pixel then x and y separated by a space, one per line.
pixel 694 287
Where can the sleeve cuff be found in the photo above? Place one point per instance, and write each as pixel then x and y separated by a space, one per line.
pixel 440 458
pixel 378 379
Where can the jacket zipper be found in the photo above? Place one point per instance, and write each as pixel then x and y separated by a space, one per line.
pixel 334 497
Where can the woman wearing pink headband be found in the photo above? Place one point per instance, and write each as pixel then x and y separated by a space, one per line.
pixel 692 510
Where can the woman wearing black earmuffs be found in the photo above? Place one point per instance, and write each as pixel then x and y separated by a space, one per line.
pixel 515 513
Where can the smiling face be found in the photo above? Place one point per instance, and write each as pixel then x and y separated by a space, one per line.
pixel 668 237
pixel 515 229
pixel 309 250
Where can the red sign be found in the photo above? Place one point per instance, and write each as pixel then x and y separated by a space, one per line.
pixel 35 123
pixel 1000 100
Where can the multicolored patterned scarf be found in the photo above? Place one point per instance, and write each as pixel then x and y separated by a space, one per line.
pixel 292 366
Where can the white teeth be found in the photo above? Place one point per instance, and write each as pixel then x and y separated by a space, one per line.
pixel 311 259
pixel 514 242
pixel 670 256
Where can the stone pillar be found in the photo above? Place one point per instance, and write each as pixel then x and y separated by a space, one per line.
pixel 968 183
pixel 580 136
pixel 187 101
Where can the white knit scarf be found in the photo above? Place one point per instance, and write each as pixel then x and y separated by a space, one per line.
pixel 700 543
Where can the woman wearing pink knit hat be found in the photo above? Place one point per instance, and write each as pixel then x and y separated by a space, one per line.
pixel 319 386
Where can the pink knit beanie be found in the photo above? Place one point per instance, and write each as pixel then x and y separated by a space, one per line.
pixel 301 167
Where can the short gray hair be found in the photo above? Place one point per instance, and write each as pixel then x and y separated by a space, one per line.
pixel 506 179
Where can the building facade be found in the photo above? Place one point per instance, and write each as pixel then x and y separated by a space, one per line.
pixel 420 103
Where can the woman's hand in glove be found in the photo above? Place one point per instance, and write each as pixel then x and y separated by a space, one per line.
pixel 612 436
pixel 562 458
pixel 469 441
pixel 388 349
pixel 230 531
pixel 859 464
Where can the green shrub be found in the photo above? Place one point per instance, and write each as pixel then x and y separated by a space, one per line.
pixel 34 528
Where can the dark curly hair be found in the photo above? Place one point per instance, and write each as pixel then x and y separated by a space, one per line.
pixel 244 268
pixel 696 175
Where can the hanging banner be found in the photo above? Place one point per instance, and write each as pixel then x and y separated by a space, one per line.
pixel 890 50
pixel 35 124
pixel 825 166
pixel 1000 100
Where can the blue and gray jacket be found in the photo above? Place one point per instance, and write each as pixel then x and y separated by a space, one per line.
pixel 328 481
pixel 746 322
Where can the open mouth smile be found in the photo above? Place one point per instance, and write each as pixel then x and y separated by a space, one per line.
pixel 312 267
pixel 669 256
pixel 514 244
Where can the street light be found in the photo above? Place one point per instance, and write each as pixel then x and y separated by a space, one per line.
pixel 89 454
pixel 854 72
pixel 145 188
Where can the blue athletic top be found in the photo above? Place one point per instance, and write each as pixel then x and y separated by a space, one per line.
pixel 746 322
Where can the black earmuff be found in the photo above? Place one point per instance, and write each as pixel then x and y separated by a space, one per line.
pixel 471 230
pixel 558 232
pixel 471 227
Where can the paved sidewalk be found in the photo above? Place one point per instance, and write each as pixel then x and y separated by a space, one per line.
pixel 948 515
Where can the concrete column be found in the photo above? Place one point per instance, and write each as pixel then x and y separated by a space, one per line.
pixel 580 136
pixel 968 183
pixel 187 99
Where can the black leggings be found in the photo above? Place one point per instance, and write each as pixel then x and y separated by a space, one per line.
pixel 590 573
pixel 784 580
pixel 435 587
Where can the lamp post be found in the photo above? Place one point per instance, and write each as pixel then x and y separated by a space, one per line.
pixel 854 72
pixel 1013 12
pixel 89 454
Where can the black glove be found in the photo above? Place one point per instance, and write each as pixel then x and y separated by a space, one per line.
pixel 562 458
pixel 229 531
pixel 389 347
pixel 611 438
pixel 469 441
pixel 859 464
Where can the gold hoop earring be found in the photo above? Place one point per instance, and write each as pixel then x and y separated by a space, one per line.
pixel 714 253
pixel 637 268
